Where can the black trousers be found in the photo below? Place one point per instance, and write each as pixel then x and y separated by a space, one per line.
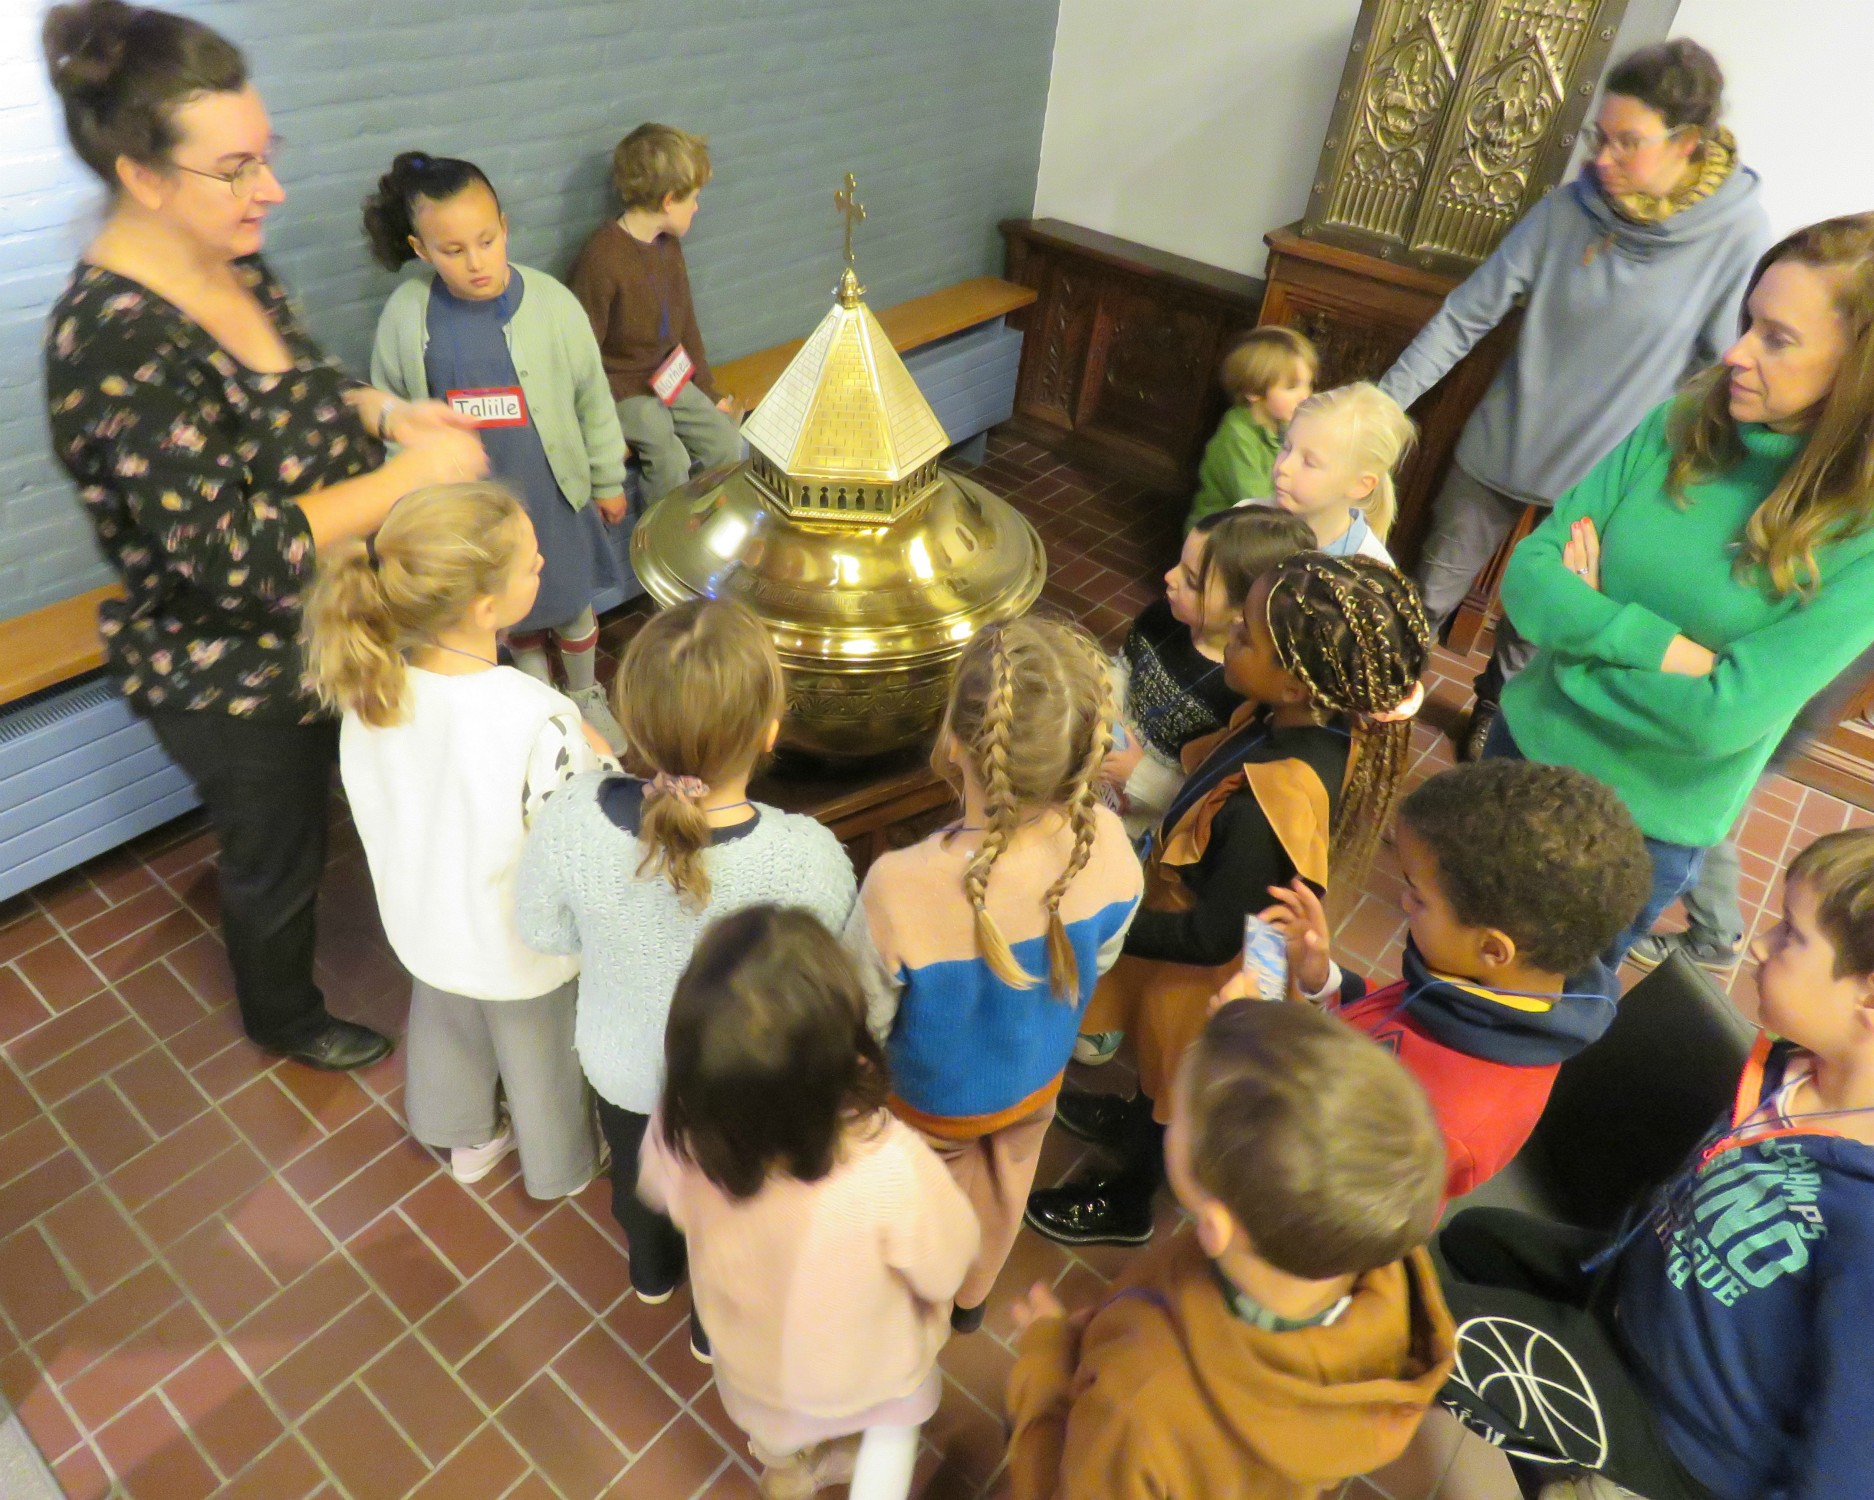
pixel 658 1256
pixel 268 790
pixel 1540 1371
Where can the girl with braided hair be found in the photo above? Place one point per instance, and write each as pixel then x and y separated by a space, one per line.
pixel 993 931
pixel 1327 655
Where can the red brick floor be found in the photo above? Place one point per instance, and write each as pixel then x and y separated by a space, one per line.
pixel 221 1274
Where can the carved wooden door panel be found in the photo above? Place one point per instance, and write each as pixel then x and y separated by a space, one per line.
pixel 1153 363
pixel 1051 385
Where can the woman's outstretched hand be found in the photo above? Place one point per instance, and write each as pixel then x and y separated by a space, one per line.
pixel 1582 553
pixel 410 421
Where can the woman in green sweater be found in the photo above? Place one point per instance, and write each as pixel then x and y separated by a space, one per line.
pixel 1715 570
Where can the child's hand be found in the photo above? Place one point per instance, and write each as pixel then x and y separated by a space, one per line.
pixel 613 507
pixel 1298 916
pixel 1581 555
pixel 730 407
pixel 1239 986
pixel 1120 764
pixel 1041 1303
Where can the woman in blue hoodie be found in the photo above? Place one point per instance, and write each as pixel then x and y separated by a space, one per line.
pixel 1630 278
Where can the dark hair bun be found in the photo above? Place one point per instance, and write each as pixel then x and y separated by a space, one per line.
pixel 85 44
pixel 1679 80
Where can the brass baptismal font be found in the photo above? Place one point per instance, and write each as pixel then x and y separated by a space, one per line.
pixel 871 566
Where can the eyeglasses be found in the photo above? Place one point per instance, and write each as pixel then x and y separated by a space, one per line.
pixel 1624 146
pixel 245 178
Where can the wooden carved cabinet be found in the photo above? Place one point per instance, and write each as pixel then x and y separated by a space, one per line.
pixel 1361 311
pixel 1120 352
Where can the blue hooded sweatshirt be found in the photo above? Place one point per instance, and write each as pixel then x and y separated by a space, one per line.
pixel 1745 1302
pixel 1616 315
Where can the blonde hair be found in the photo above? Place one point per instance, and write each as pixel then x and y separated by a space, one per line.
pixel 1379 435
pixel 1827 492
pixel 439 550
pixel 1031 714
pixel 1263 358
pixel 695 692
pixel 656 162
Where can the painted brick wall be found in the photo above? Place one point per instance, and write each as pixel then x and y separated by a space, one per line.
pixel 936 105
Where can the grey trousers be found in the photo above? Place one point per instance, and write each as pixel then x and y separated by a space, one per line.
pixel 669 439
pixel 459 1049
pixel 1470 519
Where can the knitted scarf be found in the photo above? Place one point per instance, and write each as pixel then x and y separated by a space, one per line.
pixel 1715 162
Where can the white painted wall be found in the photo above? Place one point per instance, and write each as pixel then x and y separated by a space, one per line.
pixel 1799 98
pixel 1192 125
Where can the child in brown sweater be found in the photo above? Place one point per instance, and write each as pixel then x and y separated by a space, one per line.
pixel 1296 1335
pixel 632 281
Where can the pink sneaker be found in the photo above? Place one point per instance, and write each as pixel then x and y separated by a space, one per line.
pixel 469 1164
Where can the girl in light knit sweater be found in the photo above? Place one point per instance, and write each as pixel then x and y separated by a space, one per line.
pixel 826 1240
pixel 991 933
pixel 446 757
pixel 628 870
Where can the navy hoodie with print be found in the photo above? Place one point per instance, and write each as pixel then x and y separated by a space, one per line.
pixel 1746 1305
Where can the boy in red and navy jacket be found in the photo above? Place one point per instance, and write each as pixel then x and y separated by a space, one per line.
pixel 1517 876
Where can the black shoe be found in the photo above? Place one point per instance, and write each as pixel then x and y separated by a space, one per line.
pixel 1104 1119
pixel 339 1047
pixel 699 1340
pixel 1477 730
pixel 967 1319
pixel 1095 1211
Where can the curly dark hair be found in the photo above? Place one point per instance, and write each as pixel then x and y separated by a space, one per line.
pixel 1546 854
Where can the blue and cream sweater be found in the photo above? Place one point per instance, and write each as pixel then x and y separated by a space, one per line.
pixel 970 1053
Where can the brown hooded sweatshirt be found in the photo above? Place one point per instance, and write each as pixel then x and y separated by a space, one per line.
pixel 1168 1395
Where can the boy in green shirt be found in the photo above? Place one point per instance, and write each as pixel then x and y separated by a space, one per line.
pixel 1268 374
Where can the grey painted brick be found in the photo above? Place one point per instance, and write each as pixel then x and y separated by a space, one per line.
pixel 936 104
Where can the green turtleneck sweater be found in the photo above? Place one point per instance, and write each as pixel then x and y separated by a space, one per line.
pixel 1239 464
pixel 1684 752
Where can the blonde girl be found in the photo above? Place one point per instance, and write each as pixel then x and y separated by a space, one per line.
pixel 992 932
pixel 627 871
pixel 1336 468
pixel 445 757
pixel 773 1134
pixel 1327 655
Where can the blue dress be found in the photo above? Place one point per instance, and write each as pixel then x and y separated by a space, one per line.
pixel 468 351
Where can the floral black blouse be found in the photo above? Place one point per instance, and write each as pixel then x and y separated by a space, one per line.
pixel 188 463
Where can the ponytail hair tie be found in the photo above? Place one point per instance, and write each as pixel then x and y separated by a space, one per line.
pixel 690 789
pixel 1408 707
pixel 370 552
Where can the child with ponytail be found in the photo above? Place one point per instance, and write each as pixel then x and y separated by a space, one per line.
pixel 1335 469
pixel 1327 654
pixel 992 932
pixel 627 871
pixel 445 757
pixel 511 347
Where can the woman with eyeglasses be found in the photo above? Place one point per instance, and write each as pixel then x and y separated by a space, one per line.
pixel 1630 278
pixel 217 449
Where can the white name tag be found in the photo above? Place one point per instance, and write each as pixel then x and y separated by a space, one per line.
pixel 492 406
pixel 669 378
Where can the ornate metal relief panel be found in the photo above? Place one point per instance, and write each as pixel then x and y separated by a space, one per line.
pixel 1453 117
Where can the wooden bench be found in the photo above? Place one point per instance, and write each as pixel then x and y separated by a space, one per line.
pixel 52 645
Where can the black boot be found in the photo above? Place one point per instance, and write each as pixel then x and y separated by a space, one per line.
pixel 1092 1211
pixel 1106 1120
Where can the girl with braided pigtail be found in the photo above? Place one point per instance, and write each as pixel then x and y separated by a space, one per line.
pixel 990 934
pixel 1327 654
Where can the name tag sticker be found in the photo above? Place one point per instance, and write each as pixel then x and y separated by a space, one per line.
pixel 669 378
pixel 492 406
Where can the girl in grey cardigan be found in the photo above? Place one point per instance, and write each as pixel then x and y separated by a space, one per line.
pixel 1630 278
pixel 628 871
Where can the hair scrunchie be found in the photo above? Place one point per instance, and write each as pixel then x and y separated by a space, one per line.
pixel 1408 708
pixel 690 789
